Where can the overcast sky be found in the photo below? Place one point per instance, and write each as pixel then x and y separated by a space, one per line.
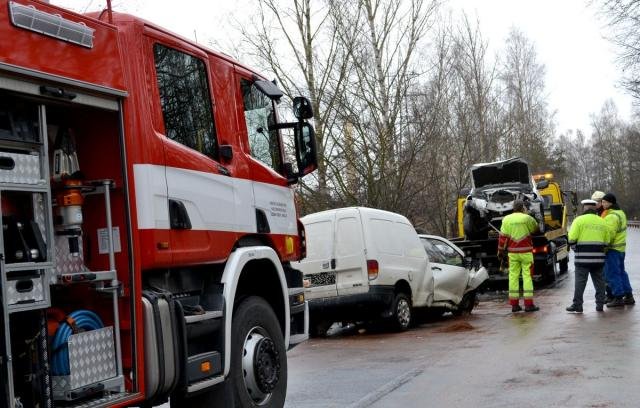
pixel 580 63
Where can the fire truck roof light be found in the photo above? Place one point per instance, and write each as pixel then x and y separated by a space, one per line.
pixel 52 25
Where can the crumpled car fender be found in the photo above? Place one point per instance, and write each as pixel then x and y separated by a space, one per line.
pixel 476 277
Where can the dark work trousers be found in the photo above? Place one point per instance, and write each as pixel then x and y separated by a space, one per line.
pixel 582 275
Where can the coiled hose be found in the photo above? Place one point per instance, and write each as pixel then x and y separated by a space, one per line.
pixel 78 321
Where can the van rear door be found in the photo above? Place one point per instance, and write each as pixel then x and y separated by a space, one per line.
pixel 349 264
pixel 317 266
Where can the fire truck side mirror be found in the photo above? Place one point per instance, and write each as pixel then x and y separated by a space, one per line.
pixel 302 108
pixel 306 153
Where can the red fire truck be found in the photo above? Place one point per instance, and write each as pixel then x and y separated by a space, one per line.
pixel 148 217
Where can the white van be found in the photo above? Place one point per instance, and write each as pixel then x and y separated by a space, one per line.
pixel 368 264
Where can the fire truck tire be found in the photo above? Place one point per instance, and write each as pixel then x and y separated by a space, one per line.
pixel 258 375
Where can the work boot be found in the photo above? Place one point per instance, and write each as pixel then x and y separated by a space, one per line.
pixel 531 308
pixel 628 299
pixel 575 308
pixel 516 308
pixel 599 307
pixel 616 302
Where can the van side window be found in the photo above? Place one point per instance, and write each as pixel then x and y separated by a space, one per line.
pixel 385 236
pixel 185 100
pixel 410 241
pixel 259 115
pixel 349 237
pixel 319 239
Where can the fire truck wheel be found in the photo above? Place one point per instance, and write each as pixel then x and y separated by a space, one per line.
pixel 258 356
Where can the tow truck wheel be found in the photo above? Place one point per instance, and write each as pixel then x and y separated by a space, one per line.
pixel 258 356
pixel 401 317
pixel 552 272
pixel 564 265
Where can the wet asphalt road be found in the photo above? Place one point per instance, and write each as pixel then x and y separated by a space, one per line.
pixel 489 359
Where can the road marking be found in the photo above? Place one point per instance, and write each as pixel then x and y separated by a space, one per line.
pixel 387 388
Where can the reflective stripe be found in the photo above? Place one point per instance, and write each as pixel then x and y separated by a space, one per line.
pixel 590 260
pixel 520 250
pixel 579 254
pixel 591 243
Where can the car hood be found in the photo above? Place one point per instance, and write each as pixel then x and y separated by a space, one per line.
pixel 512 171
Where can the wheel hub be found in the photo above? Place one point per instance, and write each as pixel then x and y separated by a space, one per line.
pixel 260 365
pixel 267 365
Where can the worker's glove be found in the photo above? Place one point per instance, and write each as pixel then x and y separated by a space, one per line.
pixel 500 256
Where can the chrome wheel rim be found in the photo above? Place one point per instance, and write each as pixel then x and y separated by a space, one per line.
pixel 403 313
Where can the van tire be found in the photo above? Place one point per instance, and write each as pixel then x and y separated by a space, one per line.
pixel 319 328
pixel 401 313
pixel 254 318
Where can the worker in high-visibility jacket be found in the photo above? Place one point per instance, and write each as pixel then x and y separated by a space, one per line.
pixel 589 235
pixel 515 238
pixel 614 271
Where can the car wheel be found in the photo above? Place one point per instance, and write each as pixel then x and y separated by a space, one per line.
pixel 402 313
pixel 466 305
pixel 258 356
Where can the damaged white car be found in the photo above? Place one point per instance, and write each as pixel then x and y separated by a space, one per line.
pixel 370 265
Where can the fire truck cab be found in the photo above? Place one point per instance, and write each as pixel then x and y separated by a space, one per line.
pixel 148 217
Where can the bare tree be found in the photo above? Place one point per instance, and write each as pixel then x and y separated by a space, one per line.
pixel 623 16
pixel 382 38
pixel 296 40
pixel 527 118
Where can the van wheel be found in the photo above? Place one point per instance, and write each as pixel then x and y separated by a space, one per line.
pixel 402 314
pixel 466 305
pixel 258 374
pixel 319 328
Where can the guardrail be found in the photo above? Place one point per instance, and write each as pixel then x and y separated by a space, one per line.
pixel 633 224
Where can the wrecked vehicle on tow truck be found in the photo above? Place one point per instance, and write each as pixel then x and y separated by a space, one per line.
pixel 495 187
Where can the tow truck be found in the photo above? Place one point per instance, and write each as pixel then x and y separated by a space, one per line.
pixel 480 211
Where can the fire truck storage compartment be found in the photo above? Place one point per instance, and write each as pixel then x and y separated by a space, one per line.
pixel 61 181
pixel 87 174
